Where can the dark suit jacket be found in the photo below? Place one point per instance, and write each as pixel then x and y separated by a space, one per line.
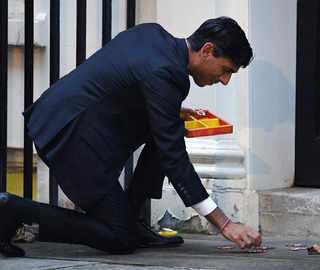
pixel 131 88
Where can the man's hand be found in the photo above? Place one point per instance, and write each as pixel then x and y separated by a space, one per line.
pixel 194 112
pixel 184 110
pixel 243 236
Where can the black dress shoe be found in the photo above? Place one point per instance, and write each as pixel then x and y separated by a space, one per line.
pixel 148 238
pixel 9 250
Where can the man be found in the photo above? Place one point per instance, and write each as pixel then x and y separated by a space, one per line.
pixel 87 124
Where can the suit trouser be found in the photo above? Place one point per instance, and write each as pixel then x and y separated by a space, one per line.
pixel 82 176
pixel 147 180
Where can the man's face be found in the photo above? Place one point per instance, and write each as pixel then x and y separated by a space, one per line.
pixel 210 69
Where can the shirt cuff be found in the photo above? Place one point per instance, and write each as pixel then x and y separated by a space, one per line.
pixel 204 207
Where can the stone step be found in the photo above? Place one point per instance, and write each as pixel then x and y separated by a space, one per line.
pixel 290 211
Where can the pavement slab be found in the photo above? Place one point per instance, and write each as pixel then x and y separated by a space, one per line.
pixel 198 252
pixel 42 264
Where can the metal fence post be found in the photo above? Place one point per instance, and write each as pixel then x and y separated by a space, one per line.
pixel 3 93
pixel 106 21
pixel 81 31
pixel 54 75
pixel 28 95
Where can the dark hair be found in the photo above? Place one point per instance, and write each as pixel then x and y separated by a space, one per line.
pixel 229 39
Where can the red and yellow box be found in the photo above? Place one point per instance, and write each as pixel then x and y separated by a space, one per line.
pixel 205 124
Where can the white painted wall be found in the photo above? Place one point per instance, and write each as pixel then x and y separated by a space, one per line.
pixel 146 11
pixel 260 100
pixel 16 64
pixel 272 94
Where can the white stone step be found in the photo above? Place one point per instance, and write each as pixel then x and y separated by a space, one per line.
pixel 290 211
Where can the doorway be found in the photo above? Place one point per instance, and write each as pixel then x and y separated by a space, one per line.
pixel 307 157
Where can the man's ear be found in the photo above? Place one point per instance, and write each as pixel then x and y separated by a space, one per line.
pixel 207 49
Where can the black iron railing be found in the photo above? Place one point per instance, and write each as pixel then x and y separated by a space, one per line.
pixel 131 20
